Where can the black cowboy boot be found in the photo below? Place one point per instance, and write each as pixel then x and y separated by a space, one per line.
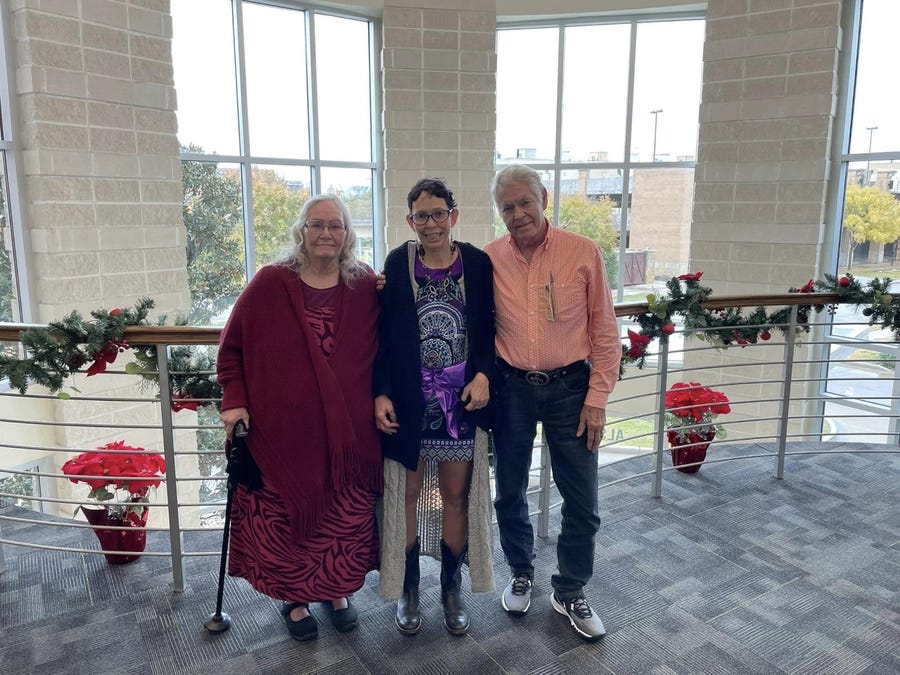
pixel 408 619
pixel 455 618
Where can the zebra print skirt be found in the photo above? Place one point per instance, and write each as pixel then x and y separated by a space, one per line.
pixel 331 563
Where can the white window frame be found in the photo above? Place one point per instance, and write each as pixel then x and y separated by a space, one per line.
pixel 627 165
pixel 10 155
pixel 246 160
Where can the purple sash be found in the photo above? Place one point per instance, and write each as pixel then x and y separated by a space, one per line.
pixel 442 384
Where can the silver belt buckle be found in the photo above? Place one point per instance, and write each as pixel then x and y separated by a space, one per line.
pixel 537 378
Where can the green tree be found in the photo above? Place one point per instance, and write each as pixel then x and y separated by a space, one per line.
pixel 215 238
pixel 870 214
pixel 594 219
pixel 276 206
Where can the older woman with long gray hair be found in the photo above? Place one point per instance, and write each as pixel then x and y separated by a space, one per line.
pixel 295 365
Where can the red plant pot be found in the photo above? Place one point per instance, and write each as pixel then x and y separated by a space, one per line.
pixel 130 542
pixel 682 455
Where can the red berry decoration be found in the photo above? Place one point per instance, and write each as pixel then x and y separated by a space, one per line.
pixel 115 312
pixel 668 329
pixel 843 282
pixel 764 335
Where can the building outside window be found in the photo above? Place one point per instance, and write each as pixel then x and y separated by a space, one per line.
pixel 275 103
pixel 608 113
pixel 867 189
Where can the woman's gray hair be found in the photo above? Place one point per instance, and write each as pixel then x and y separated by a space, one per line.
pixel 351 267
pixel 516 173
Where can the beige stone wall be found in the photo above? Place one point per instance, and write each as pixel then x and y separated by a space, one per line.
pixel 102 194
pixel 766 124
pixel 661 218
pixel 439 73
pixel 102 185
pixel 769 94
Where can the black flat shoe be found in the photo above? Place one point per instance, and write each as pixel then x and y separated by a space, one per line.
pixel 343 620
pixel 302 630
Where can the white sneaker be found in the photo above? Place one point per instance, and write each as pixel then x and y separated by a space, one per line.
pixel 583 619
pixel 516 597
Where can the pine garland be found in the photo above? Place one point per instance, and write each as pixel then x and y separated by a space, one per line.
pixel 64 347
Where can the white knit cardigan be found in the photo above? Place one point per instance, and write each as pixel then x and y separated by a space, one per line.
pixel 392 525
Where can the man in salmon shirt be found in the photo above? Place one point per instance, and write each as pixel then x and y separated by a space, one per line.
pixel 558 353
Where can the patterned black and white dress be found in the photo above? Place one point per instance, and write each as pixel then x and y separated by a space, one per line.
pixel 442 338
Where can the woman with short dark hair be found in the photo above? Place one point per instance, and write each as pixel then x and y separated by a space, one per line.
pixel 432 385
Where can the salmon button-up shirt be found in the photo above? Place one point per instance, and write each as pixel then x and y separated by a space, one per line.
pixel 556 309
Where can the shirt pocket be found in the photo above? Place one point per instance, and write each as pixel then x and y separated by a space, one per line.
pixel 570 301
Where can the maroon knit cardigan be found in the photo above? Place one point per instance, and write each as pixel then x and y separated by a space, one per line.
pixel 312 429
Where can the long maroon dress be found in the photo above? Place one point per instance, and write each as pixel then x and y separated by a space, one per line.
pixel 333 560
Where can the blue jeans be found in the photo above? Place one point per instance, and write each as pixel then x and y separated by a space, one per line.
pixel 558 404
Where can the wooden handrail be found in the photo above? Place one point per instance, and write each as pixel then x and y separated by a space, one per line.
pixel 196 335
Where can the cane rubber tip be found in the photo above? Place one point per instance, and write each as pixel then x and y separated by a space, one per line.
pixel 217 623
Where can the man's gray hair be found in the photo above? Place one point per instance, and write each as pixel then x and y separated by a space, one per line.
pixel 516 173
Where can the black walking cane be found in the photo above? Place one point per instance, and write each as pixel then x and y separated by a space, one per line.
pixel 237 447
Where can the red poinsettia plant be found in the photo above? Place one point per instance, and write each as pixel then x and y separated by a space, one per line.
pixel 691 411
pixel 121 473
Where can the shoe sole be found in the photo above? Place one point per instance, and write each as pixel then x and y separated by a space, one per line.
pixel 408 631
pixel 562 610
pixel 515 612
pixel 305 638
pixel 459 631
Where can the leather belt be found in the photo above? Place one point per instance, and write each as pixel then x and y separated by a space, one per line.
pixel 539 378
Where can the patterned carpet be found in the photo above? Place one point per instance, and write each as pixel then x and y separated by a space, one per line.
pixel 731 571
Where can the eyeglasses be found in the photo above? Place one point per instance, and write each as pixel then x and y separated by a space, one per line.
pixel 319 226
pixel 438 216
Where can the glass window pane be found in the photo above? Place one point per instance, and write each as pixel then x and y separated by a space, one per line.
pixel 526 95
pixel 870 231
pixel 861 374
pixel 354 187
pixel 343 86
pixel 203 58
pixel 667 79
pixel 279 192
pixel 659 232
pixel 876 127
pixel 215 239
pixel 8 304
pixel 275 53
pixel 852 425
pixel 594 108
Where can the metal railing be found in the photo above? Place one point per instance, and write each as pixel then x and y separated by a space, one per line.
pixel 782 391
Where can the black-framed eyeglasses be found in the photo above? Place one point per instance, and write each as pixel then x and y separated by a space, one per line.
pixel 439 216
pixel 319 226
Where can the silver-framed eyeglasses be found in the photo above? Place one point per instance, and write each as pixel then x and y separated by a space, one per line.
pixel 439 216
pixel 319 226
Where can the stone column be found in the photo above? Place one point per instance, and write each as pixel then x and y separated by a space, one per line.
pixel 769 92
pixel 96 105
pixel 439 68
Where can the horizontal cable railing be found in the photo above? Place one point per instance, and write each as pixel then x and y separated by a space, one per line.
pixel 809 384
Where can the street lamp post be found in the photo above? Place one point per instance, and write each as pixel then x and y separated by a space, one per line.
pixel 871 130
pixel 655 114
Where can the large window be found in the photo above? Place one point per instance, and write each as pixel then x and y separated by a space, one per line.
pixel 13 302
pixel 867 185
pixel 608 112
pixel 274 105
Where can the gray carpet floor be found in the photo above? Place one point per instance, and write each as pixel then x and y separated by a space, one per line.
pixel 731 571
